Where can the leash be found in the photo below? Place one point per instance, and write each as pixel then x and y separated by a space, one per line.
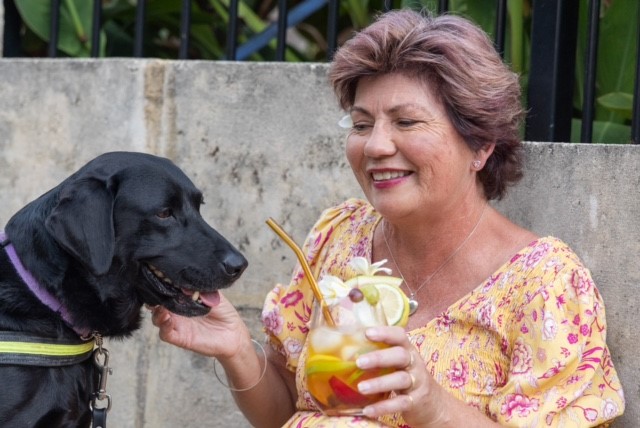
pixel 27 349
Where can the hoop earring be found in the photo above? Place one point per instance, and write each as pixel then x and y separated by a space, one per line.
pixel 476 164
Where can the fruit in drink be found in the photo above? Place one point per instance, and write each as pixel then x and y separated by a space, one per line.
pixel 332 374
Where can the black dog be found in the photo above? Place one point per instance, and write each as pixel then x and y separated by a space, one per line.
pixel 122 231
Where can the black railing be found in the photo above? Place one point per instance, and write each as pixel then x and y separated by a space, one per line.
pixel 552 63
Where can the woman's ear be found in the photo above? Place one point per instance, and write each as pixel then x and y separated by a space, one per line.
pixel 482 155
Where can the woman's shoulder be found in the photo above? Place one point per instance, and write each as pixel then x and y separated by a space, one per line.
pixel 547 265
pixel 541 251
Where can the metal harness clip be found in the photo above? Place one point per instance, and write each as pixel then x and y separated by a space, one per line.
pixel 103 372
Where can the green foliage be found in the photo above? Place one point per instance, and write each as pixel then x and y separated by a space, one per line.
pixel 308 41
pixel 75 25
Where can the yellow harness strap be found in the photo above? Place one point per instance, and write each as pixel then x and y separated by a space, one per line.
pixel 25 349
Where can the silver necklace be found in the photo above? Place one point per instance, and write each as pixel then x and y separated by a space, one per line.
pixel 413 302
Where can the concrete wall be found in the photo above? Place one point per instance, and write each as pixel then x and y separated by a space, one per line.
pixel 261 140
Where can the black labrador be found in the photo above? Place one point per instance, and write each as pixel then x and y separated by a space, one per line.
pixel 124 230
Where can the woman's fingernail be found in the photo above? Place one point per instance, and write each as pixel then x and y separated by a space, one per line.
pixel 362 362
pixel 363 387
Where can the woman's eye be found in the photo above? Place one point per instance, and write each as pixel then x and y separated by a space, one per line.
pixel 359 127
pixel 406 122
pixel 165 213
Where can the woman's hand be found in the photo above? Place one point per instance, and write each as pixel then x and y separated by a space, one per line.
pixel 220 333
pixel 418 397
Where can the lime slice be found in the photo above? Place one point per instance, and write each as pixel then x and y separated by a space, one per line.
pixel 328 364
pixel 395 304
pixel 324 358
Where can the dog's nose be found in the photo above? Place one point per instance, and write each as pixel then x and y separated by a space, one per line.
pixel 234 264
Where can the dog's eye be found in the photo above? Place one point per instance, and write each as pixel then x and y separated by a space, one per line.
pixel 165 213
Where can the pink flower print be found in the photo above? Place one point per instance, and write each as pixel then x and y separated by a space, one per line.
pixel 443 323
pixel 572 338
pixel 292 298
pixel 293 347
pixel 504 345
pixel 561 403
pixel 576 320
pixel 585 330
pixel 549 326
pixel 536 255
pixel 458 373
pixel 485 315
pixel 273 321
pixel 573 379
pixel 501 378
pixel 590 414
pixel 609 409
pixel 554 370
pixel 435 356
pixel 519 404
pixel 581 282
pixel 521 358
pixel 549 418
pixel 524 329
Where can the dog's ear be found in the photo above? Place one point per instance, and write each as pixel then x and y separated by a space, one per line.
pixel 82 223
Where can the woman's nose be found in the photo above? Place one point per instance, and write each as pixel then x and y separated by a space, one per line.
pixel 380 142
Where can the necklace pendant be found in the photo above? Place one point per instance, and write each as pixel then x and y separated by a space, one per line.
pixel 413 305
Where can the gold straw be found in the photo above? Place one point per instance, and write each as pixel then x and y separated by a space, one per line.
pixel 305 266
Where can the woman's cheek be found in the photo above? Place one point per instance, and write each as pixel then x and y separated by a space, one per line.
pixel 354 150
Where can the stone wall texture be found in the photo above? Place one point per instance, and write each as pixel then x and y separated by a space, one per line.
pixel 261 140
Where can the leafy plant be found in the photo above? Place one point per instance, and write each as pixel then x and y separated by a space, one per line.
pixel 617 50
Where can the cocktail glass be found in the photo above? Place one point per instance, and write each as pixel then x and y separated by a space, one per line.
pixel 330 368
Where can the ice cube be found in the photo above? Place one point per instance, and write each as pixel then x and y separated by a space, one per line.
pixel 365 314
pixel 325 340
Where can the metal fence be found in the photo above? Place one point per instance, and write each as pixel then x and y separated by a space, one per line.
pixel 552 63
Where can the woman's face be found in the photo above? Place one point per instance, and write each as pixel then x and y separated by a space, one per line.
pixel 404 151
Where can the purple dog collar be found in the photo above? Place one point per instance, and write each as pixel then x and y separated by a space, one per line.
pixel 38 290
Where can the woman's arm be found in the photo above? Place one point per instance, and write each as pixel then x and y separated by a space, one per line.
pixel 271 402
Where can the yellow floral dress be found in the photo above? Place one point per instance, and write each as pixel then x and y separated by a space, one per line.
pixel 527 347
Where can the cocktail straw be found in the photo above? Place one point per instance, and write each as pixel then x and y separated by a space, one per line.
pixel 305 267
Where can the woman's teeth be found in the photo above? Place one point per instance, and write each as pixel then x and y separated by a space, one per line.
pixel 388 175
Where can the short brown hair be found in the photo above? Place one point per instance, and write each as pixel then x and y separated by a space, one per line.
pixel 481 95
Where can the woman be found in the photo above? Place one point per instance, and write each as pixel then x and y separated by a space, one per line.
pixel 508 328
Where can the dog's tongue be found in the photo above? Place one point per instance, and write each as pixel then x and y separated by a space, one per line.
pixel 210 299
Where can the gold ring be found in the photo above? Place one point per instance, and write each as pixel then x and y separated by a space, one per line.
pixel 413 381
pixel 410 399
pixel 410 361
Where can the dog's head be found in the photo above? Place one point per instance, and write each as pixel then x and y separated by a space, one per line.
pixel 135 218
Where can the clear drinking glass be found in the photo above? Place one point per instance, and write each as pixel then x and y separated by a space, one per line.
pixel 331 371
